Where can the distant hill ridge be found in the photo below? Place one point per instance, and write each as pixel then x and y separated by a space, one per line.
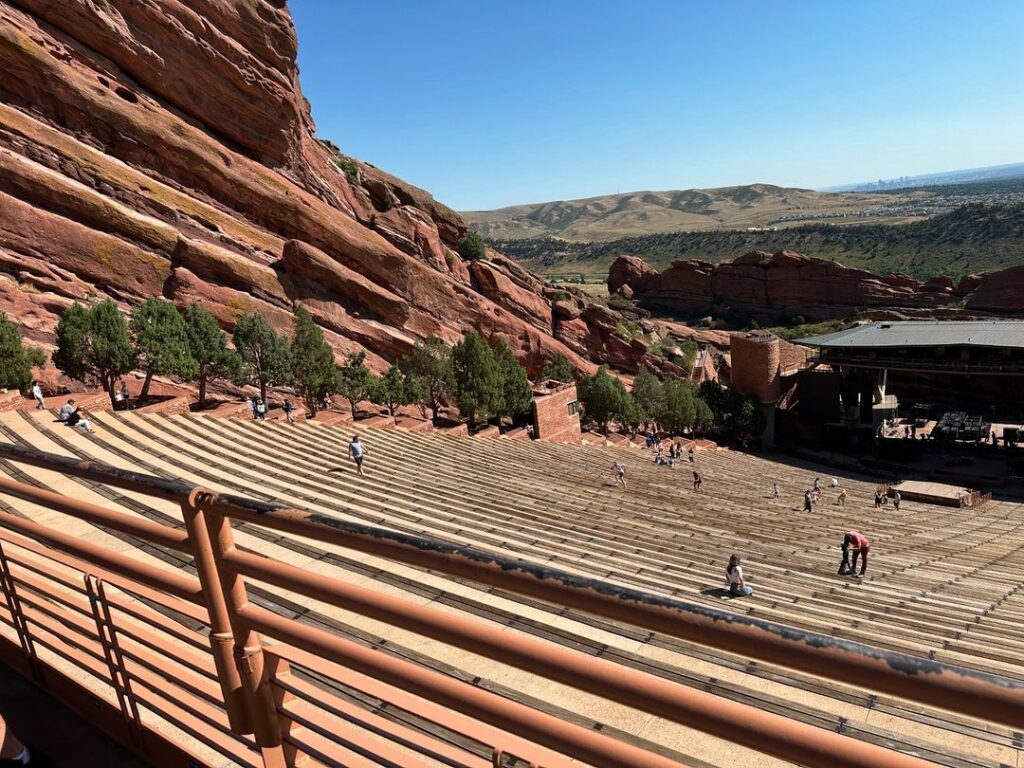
pixel 972 238
pixel 607 217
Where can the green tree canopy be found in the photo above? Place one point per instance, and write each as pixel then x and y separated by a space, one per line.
pixel 265 354
pixel 314 374
pixel 516 392
pixel 630 414
pixel 679 409
pixel 208 345
pixel 430 365
pixel 396 388
pixel 602 396
pixel 558 369
pixel 355 380
pixel 16 358
pixel 94 344
pixel 717 399
pixel 161 342
pixel 703 419
pixel 472 247
pixel 746 421
pixel 478 379
pixel 649 395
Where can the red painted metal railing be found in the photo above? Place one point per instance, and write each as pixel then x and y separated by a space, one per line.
pixel 156 642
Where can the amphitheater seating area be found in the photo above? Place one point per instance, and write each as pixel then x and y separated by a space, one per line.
pixel 942 583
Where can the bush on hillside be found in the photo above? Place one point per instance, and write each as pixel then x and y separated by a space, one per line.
pixel 472 247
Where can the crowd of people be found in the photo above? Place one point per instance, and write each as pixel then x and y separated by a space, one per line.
pixel 854 547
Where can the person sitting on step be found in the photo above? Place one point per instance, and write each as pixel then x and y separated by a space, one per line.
pixel 734 578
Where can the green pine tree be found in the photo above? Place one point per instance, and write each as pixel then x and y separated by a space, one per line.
pixel 208 345
pixel 355 381
pixel 430 366
pixel 516 392
pixel 558 369
pixel 649 395
pixel 314 373
pixel 478 379
pixel 161 342
pixel 602 397
pixel 265 354
pixel 94 344
pixel 395 389
pixel 679 410
pixel 16 358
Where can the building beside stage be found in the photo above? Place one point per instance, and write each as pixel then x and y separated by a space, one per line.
pixel 946 380
pixel 957 377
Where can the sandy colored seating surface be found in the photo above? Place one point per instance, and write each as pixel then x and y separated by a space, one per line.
pixel 942 583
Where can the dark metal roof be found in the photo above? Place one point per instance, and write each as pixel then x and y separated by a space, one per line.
pixel 925 333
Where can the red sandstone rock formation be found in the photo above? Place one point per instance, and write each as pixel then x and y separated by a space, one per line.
pixel 165 149
pixel 788 284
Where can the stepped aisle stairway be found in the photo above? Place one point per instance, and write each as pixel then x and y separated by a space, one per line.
pixel 942 583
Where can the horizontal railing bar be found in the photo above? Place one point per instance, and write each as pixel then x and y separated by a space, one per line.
pixel 74 656
pixel 344 748
pixel 581 743
pixel 189 609
pixel 240 749
pixel 44 592
pixel 187 683
pixel 154 533
pixel 412 703
pixel 163 624
pixel 199 703
pixel 200 665
pixel 66 621
pixel 970 692
pixel 307 695
pixel 47 572
pixel 740 723
pixel 176 584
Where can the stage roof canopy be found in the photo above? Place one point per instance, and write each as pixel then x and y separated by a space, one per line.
pixel 924 333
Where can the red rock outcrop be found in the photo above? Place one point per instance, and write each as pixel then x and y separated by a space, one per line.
pixel 165 149
pixel 786 284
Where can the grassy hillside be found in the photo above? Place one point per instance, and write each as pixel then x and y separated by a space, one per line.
pixel 973 238
pixel 609 217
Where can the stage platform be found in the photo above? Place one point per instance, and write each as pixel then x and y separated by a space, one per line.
pixel 941 493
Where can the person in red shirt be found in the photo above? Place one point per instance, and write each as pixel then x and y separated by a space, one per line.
pixel 858 544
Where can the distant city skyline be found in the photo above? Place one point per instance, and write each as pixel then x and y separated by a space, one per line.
pixel 488 105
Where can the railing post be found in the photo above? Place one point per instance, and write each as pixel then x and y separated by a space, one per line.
pixel 107 635
pixel 222 636
pixel 10 591
pixel 256 691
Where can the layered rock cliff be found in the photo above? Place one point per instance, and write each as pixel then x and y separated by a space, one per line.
pixel 164 148
pixel 787 284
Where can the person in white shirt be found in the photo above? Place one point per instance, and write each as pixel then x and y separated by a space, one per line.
pixel 357 451
pixel 734 577
pixel 620 472
pixel 37 393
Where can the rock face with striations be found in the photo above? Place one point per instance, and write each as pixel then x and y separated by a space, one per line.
pixel 788 284
pixel 165 149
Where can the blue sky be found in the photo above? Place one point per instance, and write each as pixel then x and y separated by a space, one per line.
pixel 492 103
